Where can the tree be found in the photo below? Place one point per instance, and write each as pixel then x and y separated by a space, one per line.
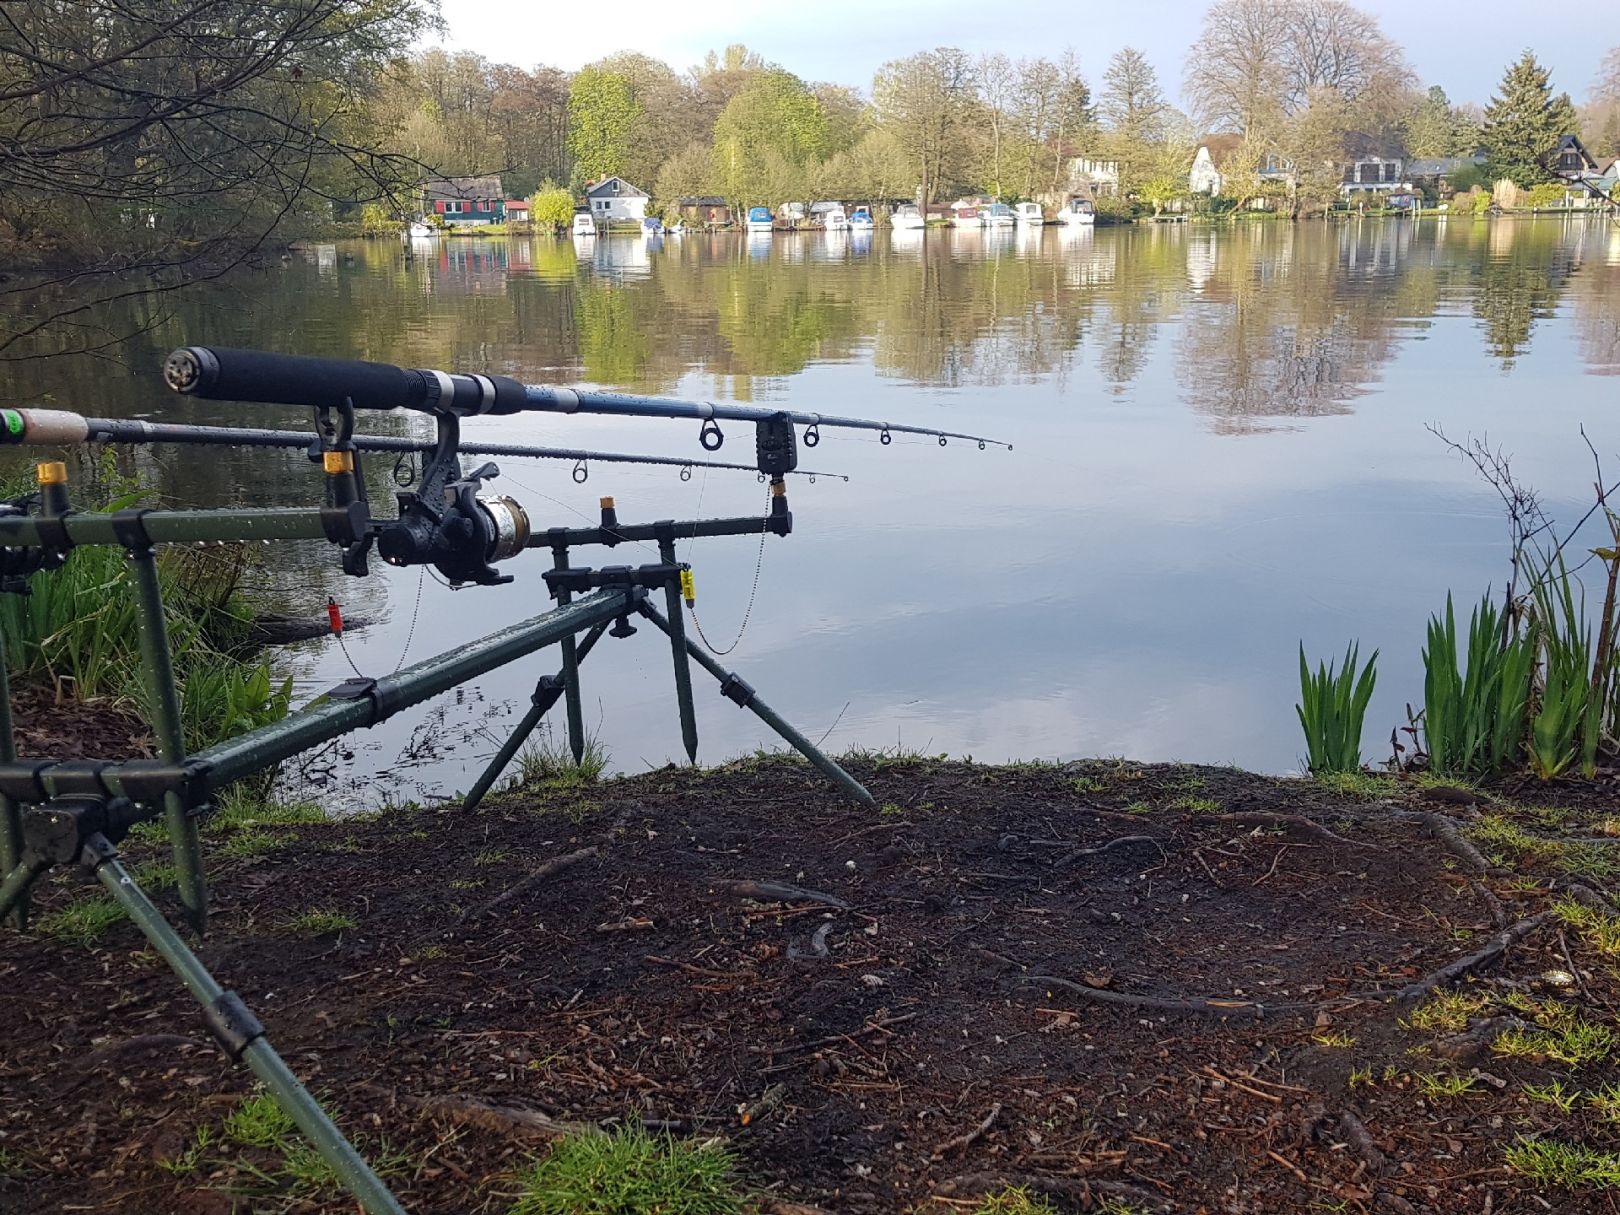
pixel 996 78
pixel 552 206
pixel 687 174
pixel 924 101
pixel 1134 111
pixel 774 122
pixel 1524 122
pixel 1435 130
pixel 1236 77
pixel 602 116
pixel 1603 112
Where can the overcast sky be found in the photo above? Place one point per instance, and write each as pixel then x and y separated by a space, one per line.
pixel 1461 46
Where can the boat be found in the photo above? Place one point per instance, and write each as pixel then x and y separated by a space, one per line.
pixel 584 225
pixel 419 230
pixel 652 226
pixel 759 219
pixel 906 217
pixel 1030 214
pixel 967 217
pixel 861 220
pixel 1078 211
pixel 998 215
pixel 836 221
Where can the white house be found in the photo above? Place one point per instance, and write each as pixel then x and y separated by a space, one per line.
pixel 1099 177
pixel 614 200
pixel 1204 177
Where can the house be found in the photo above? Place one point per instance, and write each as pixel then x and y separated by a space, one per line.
pixel 614 200
pixel 1204 177
pixel 1572 161
pixel 1436 173
pixel 1093 178
pixel 708 209
pixel 465 200
pixel 517 210
pixel 1367 173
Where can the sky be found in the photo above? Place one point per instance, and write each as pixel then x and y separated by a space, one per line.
pixel 1462 47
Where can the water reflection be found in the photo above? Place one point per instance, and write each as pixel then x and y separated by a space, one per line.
pixel 1132 578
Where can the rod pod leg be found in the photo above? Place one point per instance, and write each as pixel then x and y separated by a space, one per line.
pixel 241 1035
pixel 158 660
pixel 570 669
pixel 546 694
pixel 677 645
pixel 11 831
pixel 738 690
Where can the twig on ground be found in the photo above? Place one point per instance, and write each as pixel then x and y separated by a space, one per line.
pixel 1492 904
pixel 1238 1084
pixel 778 892
pixel 1122 841
pixel 871 1027
pixel 1360 1138
pixel 550 869
pixel 1207 1007
pixel 965 1140
pixel 1471 1045
pixel 1089 1194
pixel 1267 818
pixel 503 1120
pixel 1452 971
pixel 818 947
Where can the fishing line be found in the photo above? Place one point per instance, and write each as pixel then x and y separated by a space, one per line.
pixel 759 562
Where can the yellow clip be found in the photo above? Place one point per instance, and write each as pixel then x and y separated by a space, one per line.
pixel 51 472
pixel 688 587
pixel 338 461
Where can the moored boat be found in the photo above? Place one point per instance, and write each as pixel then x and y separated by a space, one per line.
pixel 1078 211
pixel 861 220
pixel 967 217
pixel 584 225
pixel 907 216
pixel 998 215
pixel 759 219
pixel 1029 214
pixel 419 230
pixel 835 220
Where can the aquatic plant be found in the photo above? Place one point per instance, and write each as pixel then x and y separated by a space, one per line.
pixel 1332 708
pixel 1474 712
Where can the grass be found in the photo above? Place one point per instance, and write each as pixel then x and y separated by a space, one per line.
pixel 491 856
pixel 1015 1200
pixel 629 1172
pixel 12 1164
pixel 1446 1012
pixel 1553 1094
pixel 319 923
pixel 1443 1085
pixel 242 808
pixel 248 843
pixel 1332 709
pixel 1572 1041
pixel 1474 711
pixel 1336 1040
pixel 83 923
pixel 258 1122
pixel 1600 931
pixel 1605 1100
pixel 1367 786
pixel 1088 784
pixel 1566 1165
pixel 1196 805
pixel 547 762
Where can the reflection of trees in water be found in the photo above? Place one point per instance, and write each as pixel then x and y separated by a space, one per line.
pixel 1596 297
pixel 1149 292
pixel 1520 280
pixel 1291 321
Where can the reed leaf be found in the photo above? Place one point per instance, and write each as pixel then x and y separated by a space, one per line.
pixel 1332 709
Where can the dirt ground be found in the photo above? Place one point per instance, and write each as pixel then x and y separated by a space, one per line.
pixel 1162 988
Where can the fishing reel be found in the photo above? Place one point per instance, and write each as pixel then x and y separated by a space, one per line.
pixel 19 562
pixel 458 531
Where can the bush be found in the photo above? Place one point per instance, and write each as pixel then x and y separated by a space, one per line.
pixel 1115 210
pixel 1547 194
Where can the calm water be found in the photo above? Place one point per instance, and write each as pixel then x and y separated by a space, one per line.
pixel 1220 450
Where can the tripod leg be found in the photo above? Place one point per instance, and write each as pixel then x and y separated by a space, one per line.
pixel 14 890
pixel 738 690
pixel 570 670
pixel 11 835
pixel 158 660
pixel 677 642
pixel 546 694
pixel 241 1035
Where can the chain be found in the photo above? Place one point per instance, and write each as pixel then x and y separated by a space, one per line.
pixel 759 562
pixel 421 576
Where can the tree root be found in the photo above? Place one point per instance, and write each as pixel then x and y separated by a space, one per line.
pixel 1452 971
pixel 1445 830
pixel 1090 1195
pixel 1493 904
pixel 1078 853
pixel 777 892
pixel 1206 1007
pixel 1471 1045
pixel 1360 1138
pixel 552 867
pixel 965 1140
pixel 818 947
pixel 502 1120
pixel 1266 818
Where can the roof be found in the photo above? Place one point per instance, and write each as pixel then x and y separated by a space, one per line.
pixel 1439 166
pixel 701 200
pixel 614 187
pixel 1221 145
pixel 463 187
pixel 517 202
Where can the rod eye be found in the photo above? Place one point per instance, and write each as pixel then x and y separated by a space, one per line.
pixel 710 436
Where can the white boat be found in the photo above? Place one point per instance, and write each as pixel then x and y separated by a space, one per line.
pixel 418 230
pixel 584 225
pixel 997 215
pixel 1029 214
pixel 907 217
pixel 861 221
pixel 759 219
pixel 836 221
pixel 967 217
pixel 1078 211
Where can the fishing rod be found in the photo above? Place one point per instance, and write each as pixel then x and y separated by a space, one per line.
pixel 58 427
pixel 219 373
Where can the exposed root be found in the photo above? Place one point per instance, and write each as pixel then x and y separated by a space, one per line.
pixel 1452 971
pixel 1088 1194
pixel 1205 1007
pixel 1297 822
pixel 1445 830
pixel 502 1120
pixel 1493 904
pixel 1122 841
pixel 963 1141
pixel 1360 1138
pixel 818 947
pixel 550 869
pixel 1588 897
pixel 777 892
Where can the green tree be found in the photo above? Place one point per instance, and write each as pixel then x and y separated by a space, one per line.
pixel 687 174
pixel 1435 130
pixel 553 207
pixel 775 121
pixel 602 116
pixel 1524 122
pixel 925 101
pixel 1134 112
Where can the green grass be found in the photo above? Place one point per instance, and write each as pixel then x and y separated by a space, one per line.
pixel 1336 1040
pixel 1566 1165
pixel 492 856
pixel 1605 1101
pixel 12 1164
pixel 1088 784
pixel 1196 805
pixel 1446 1012
pixel 1332 709
pixel 82 923
pixel 547 762
pixel 1366 786
pixel 1572 1041
pixel 1600 931
pixel 630 1172
pixel 1475 706
pixel 319 923
pixel 1015 1200
pixel 248 843
pixel 242 808
pixel 258 1122
pixel 1553 1094
pixel 1443 1085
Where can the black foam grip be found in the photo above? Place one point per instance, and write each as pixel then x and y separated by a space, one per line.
pixel 219 373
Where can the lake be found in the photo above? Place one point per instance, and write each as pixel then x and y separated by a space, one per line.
pixel 1220 450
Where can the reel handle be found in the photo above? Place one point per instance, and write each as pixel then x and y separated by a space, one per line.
pixel 220 373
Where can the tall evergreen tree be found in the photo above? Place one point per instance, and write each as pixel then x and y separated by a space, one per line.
pixel 1435 129
pixel 1524 123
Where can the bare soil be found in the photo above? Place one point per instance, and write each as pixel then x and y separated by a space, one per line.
pixel 1109 981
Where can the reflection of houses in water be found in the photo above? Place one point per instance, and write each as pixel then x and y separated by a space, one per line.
pixel 1088 262
pixel 1202 257
pixel 620 258
pixel 1374 249
pixel 472 267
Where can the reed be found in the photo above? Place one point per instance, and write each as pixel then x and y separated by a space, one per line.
pixel 1332 709
pixel 1475 705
